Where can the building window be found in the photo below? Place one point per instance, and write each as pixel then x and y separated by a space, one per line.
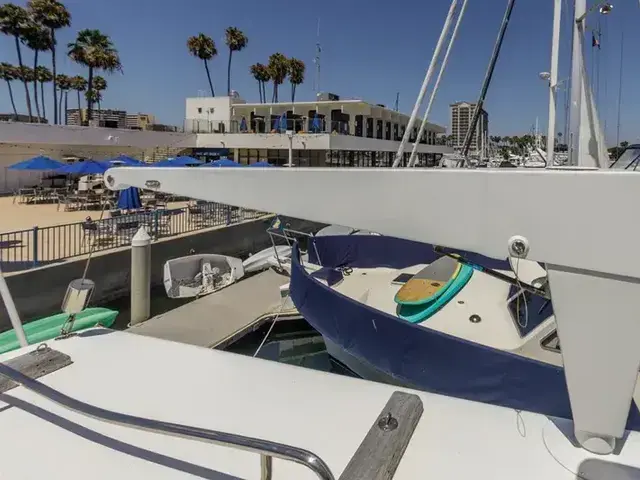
pixel 211 110
pixel 199 109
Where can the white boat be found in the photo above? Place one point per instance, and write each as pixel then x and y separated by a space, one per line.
pixel 264 259
pixel 202 274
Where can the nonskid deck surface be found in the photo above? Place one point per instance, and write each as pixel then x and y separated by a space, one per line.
pixel 483 295
pixel 327 414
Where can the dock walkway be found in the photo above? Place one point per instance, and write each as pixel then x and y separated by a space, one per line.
pixel 217 319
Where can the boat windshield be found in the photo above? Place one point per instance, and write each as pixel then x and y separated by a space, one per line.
pixel 629 159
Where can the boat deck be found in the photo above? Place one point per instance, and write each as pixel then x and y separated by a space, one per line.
pixel 325 413
pixel 215 319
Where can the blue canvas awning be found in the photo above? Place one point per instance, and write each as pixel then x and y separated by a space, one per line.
pixel 178 162
pixel 86 167
pixel 40 162
pixel 261 164
pixel 124 161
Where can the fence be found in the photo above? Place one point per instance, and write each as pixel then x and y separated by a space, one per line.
pixel 24 249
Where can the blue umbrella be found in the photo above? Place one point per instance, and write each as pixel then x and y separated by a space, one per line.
pixel 243 125
pixel 316 125
pixel 37 163
pixel 261 164
pixel 129 199
pixel 178 162
pixel 125 161
pixel 223 162
pixel 87 167
pixel 282 122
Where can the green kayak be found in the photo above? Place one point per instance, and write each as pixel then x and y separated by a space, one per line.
pixel 49 327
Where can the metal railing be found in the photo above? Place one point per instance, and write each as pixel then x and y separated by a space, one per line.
pixel 273 125
pixel 24 249
pixel 265 448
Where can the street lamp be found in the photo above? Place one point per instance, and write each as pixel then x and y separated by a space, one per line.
pixel 604 8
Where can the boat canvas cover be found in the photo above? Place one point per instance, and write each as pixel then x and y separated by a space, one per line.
pixel 419 357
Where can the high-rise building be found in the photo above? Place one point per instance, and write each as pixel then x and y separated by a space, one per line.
pixel 461 117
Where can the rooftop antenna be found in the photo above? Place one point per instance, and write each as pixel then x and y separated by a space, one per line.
pixel 316 60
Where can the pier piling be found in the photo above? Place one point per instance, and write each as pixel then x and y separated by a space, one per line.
pixel 140 276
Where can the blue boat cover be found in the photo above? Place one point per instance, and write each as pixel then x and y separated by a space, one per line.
pixel 416 356
pixel 370 251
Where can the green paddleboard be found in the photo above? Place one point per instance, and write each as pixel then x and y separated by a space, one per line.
pixel 49 327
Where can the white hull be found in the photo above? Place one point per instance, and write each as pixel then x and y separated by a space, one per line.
pixel 261 260
pixel 198 275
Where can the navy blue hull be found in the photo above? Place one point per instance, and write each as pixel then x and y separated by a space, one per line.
pixel 412 355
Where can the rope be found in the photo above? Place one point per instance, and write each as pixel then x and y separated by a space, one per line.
pixel 67 327
pixel 519 294
pixel 275 319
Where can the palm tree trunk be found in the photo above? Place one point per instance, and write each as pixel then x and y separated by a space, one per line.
pixel 206 67
pixel 229 73
pixel 66 104
pixel 274 98
pixel 260 90
pixel 26 87
pixel 264 92
pixel 53 70
pixel 79 102
pixel 35 83
pixel 44 108
pixel 89 99
pixel 13 103
pixel 293 92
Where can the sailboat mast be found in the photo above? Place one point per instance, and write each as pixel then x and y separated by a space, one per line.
pixel 553 80
pixel 580 10
pixel 487 79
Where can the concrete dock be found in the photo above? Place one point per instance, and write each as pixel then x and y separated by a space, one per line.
pixel 217 320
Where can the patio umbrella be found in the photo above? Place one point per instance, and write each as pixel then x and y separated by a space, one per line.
pixel 316 125
pixel 178 162
pixel 282 122
pixel 124 161
pixel 261 164
pixel 87 167
pixel 223 162
pixel 129 199
pixel 37 163
pixel 243 125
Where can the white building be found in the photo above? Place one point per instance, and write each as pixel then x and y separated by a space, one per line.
pixel 321 132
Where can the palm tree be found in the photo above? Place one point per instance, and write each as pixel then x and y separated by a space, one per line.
pixel 94 50
pixel 296 75
pixel 94 96
pixel 15 21
pixel 8 73
pixel 278 68
pixel 64 84
pixel 261 74
pixel 265 77
pixel 99 85
pixel 79 84
pixel 37 39
pixel 53 15
pixel 255 70
pixel 236 41
pixel 43 75
pixel 204 48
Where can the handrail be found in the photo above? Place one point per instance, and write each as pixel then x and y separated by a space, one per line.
pixel 265 448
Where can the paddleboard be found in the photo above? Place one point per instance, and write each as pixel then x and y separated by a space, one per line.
pixel 429 283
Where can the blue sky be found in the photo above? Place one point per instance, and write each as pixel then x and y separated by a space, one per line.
pixel 371 50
